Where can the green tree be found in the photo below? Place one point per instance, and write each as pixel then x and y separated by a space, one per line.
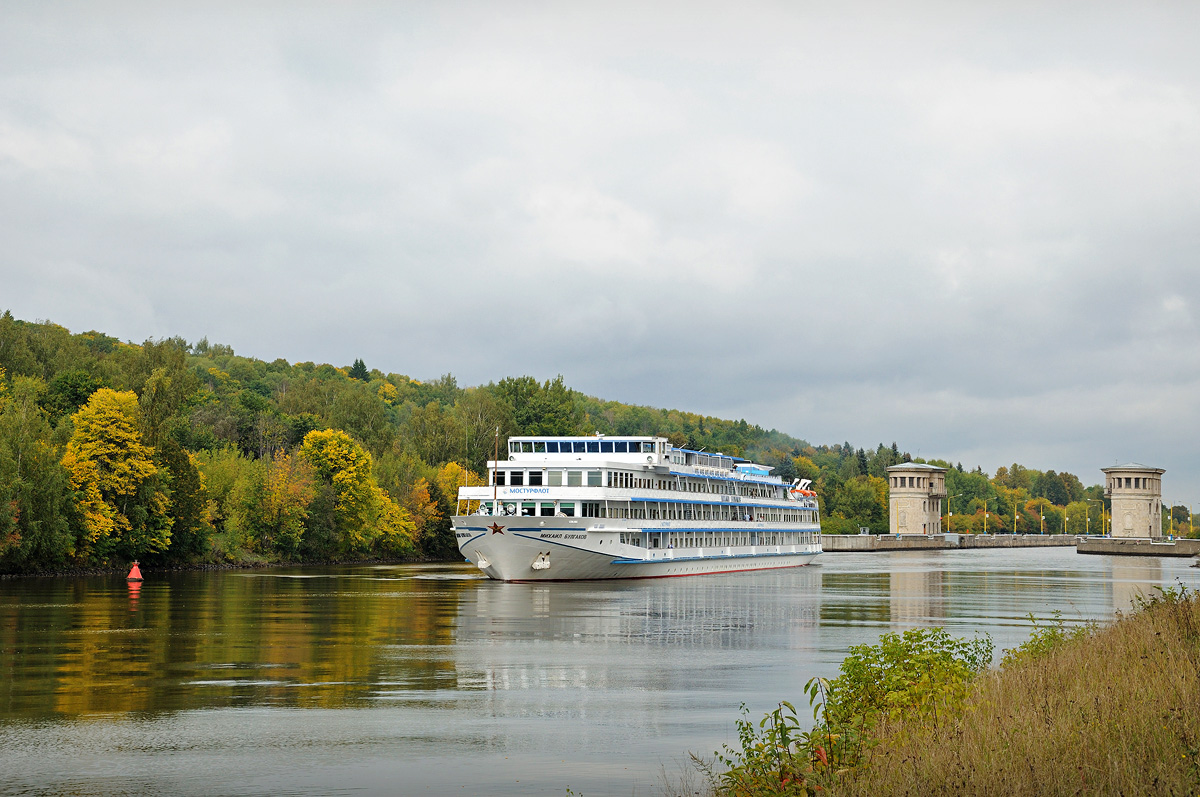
pixel 190 520
pixel 34 488
pixel 434 433
pixel 540 409
pixel 1048 485
pixel 68 391
pixel 359 371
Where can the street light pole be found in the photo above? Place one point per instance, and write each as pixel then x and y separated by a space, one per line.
pixel 950 514
pixel 985 513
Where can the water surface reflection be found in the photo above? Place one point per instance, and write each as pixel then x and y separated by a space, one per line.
pixel 429 679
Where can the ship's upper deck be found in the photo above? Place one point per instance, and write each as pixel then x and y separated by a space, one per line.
pixel 649 453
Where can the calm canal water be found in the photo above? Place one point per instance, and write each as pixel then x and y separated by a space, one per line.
pixel 432 680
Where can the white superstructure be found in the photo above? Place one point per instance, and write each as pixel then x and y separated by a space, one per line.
pixel 565 508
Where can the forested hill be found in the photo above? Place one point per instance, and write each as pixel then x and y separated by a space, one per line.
pixel 178 453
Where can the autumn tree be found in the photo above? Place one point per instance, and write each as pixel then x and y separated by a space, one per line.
pixel 122 497
pixel 424 510
pixel 364 514
pixel 276 505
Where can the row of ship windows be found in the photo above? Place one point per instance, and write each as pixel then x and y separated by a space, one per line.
pixel 551 478
pixel 647 511
pixel 595 478
pixel 720 539
pixel 579 447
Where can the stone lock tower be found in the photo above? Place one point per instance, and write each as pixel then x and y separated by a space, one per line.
pixel 915 495
pixel 1136 495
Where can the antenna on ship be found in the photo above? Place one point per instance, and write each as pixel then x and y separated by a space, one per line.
pixel 495 467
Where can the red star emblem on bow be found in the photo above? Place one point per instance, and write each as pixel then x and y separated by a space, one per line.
pixel 496 528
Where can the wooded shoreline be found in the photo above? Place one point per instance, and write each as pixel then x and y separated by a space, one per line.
pixel 185 453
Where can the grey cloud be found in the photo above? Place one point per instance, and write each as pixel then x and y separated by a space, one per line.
pixel 970 229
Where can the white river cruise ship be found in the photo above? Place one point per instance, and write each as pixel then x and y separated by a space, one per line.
pixel 566 508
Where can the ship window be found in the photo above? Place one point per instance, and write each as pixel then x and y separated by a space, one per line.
pixel 528 509
pixel 547 510
pixel 574 478
pixel 594 478
pixel 539 447
pixel 516 478
pixel 580 447
pixel 647 448
pixel 606 447
pixel 622 447
pixel 554 478
pixel 593 447
pixel 500 478
pixel 567 509
pixel 514 447
pixel 535 478
pixel 552 447
pixel 527 448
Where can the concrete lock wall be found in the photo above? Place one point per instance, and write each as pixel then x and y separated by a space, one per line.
pixel 1142 547
pixel 842 543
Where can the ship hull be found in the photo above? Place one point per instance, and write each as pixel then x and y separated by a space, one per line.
pixel 530 549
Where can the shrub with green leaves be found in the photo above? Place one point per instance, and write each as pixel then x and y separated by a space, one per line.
pixel 914 673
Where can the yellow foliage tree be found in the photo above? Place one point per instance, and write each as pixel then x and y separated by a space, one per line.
pixel 452 476
pixel 397 532
pixel 387 391
pixel 283 498
pixel 365 514
pixel 120 492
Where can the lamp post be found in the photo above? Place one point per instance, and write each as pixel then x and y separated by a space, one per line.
pixel 1041 519
pixel 950 514
pixel 1089 517
pixel 985 513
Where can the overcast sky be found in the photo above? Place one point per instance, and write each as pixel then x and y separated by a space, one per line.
pixel 969 228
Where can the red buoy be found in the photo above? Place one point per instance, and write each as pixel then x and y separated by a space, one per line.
pixel 134 573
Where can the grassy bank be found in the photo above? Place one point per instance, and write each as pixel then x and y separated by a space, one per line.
pixel 1111 710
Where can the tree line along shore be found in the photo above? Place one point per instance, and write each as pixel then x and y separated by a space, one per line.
pixel 187 454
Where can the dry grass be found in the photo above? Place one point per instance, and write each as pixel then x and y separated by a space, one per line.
pixel 1114 713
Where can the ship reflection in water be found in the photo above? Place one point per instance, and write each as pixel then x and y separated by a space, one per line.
pixel 433 679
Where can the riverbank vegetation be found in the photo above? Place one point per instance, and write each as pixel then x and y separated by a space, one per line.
pixel 1083 710
pixel 185 453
